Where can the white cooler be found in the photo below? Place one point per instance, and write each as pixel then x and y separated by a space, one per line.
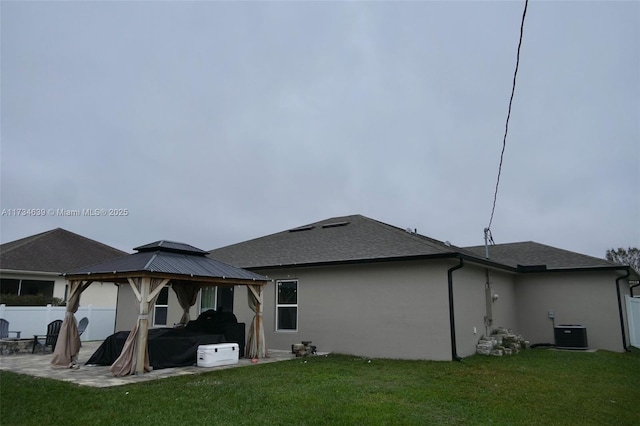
pixel 218 354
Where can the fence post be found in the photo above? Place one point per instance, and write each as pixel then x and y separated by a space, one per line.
pixel 87 332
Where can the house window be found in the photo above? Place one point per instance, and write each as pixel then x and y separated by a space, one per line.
pixel 161 307
pixel 207 298
pixel 218 298
pixel 225 299
pixel 9 286
pixel 26 287
pixel 287 305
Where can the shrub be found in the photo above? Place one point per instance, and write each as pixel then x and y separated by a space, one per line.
pixel 30 300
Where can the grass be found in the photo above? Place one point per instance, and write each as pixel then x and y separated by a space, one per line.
pixel 538 386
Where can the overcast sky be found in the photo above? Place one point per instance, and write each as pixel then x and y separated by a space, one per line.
pixel 217 122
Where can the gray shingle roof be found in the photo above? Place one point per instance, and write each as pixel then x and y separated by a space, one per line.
pixel 530 253
pixel 174 258
pixel 358 238
pixel 56 251
pixel 339 239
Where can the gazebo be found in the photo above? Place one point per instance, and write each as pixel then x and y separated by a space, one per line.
pixel 154 266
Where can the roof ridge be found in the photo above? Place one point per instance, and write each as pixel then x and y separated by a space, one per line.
pixel 286 230
pixel 92 240
pixel 55 250
pixel 150 261
pixel 428 241
pixel 415 235
pixel 21 242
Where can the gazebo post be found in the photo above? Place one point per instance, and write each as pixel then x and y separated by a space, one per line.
pixel 259 332
pixel 143 324
pixel 256 342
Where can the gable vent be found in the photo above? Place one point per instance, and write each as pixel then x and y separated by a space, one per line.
pixel 335 224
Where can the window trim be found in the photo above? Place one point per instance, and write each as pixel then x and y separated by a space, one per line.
pixel 287 305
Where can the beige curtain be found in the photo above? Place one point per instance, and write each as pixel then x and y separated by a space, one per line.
pixel 256 345
pixel 187 293
pixel 68 345
pixel 134 358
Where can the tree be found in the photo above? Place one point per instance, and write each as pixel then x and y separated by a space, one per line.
pixel 629 257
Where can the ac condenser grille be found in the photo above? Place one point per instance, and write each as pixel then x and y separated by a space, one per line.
pixel 570 336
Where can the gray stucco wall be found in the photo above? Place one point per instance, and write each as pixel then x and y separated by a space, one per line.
pixel 400 309
pixel 584 298
pixel 394 309
pixel 470 305
pixel 127 309
pixel 504 308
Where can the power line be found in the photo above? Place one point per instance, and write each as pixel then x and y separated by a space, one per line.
pixel 506 127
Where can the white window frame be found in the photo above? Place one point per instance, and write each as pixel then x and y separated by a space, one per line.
pixel 287 305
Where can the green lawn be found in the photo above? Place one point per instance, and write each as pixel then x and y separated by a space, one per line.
pixel 537 386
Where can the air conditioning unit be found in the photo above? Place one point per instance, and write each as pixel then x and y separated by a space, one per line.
pixel 570 336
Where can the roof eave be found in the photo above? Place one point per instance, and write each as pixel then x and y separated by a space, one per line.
pixel 579 269
pixel 437 256
pixel 123 277
pixel 24 271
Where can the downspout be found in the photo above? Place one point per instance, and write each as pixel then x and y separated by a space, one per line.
pixel 452 319
pixel 624 337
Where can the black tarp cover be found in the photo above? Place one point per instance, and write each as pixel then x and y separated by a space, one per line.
pixel 168 347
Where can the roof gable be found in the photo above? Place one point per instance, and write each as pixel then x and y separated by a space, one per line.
pixel 57 250
pixel 338 239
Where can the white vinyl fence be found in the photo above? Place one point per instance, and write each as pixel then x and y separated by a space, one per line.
pixel 633 318
pixel 30 320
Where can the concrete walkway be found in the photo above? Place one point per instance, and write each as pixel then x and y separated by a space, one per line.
pixel 38 365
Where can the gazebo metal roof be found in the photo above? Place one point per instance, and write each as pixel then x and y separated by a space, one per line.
pixel 166 257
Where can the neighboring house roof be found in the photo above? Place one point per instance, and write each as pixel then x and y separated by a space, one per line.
pixel 339 239
pixel 168 257
pixel 56 251
pixel 534 254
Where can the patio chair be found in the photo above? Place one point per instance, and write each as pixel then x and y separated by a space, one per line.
pixel 4 329
pixel 82 325
pixel 49 339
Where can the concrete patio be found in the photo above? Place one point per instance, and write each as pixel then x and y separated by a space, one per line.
pixel 38 365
